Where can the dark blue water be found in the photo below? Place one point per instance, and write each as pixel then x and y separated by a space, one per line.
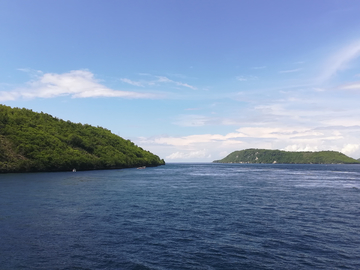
pixel 183 216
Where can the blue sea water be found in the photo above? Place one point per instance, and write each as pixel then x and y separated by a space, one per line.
pixel 183 216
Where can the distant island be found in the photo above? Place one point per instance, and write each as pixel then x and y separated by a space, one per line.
pixel 39 142
pixel 285 157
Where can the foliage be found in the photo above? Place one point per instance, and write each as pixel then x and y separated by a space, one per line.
pixel 277 156
pixel 31 141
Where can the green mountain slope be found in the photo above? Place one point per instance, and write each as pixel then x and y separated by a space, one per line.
pixel 31 141
pixel 277 156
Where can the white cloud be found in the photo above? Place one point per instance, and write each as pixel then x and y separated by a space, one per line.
pixel 340 60
pixel 132 82
pixel 76 83
pixel 186 85
pixel 189 155
pixel 349 149
pixel 29 70
pixel 302 118
pixel 159 80
pixel 300 148
pixel 162 79
pixel 208 147
pixel 291 70
pixel 351 86
pixel 5 95
pixel 191 139
pixel 344 121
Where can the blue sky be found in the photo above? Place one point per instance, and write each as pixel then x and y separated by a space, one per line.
pixel 190 81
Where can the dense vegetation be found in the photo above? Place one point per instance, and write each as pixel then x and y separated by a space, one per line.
pixel 31 141
pixel 277 156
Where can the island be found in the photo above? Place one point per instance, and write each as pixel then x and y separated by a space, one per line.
pixel 286 157
pixel 39 142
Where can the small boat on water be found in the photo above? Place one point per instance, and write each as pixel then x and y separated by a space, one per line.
pixel 74 170
pixel 140 168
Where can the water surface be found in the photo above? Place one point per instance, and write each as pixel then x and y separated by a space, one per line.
pixel 183 216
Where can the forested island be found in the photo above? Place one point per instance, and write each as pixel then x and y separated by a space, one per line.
pixel 285 157
pixel 39 142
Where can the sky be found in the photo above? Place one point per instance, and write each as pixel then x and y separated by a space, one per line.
pixel 190 81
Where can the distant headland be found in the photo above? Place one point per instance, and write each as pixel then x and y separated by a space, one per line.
pixel 285 157
pixel 39 142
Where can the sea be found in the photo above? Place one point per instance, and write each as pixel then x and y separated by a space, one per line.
pixel 183 216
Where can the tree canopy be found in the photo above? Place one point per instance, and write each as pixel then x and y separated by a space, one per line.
pixel 277 156
pixel 31 141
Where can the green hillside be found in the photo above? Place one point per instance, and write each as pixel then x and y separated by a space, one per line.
pixel 31 141
pixel 277 156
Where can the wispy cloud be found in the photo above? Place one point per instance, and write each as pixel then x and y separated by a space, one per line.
pixel 162 79
pixel 340 61
pixel 246 78
pixel 135 83
pixel 186 85
pixel 192 120
pixel 157 81
pixel 29 70
pixel 290 70
pixel 351 86
pixel 76 84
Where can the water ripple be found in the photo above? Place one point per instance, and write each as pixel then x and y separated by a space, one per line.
pixel 183 216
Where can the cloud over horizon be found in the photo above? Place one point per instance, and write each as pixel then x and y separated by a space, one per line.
pixel 216 146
